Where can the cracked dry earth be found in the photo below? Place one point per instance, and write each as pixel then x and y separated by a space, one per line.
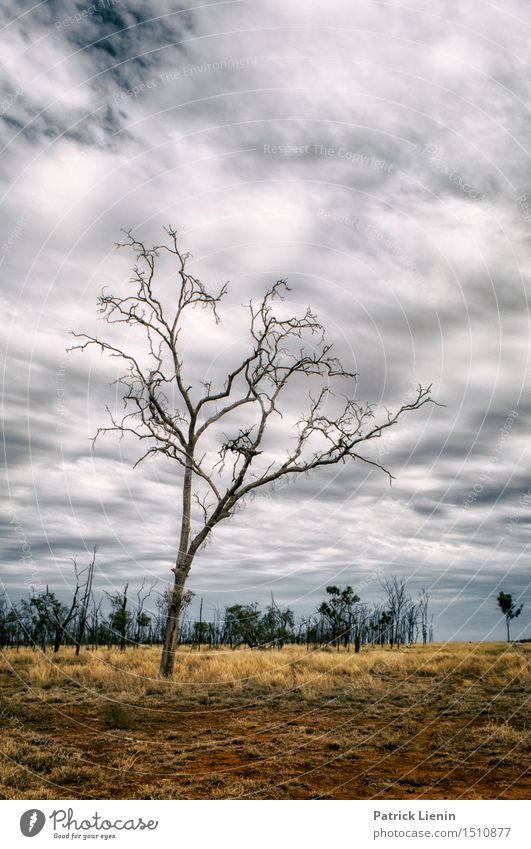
pixel 413 736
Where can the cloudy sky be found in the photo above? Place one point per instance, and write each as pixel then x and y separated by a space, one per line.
pixel 375 155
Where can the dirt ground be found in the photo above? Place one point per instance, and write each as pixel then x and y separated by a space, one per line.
pixel 419 735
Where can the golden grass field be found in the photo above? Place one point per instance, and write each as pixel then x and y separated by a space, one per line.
pixel 439 721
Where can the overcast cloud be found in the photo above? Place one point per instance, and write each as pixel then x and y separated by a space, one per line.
pixel 375 156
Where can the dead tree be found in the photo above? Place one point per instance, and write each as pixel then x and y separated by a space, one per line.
pixel 142 620
pixel 411 621
pixel 226 457
pixel 53 613
pixel 423 602
pixel 397 601
pixel 95 624
pixel 82 619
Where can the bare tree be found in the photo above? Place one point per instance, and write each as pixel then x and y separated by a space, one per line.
pixel 142 620
pixel 184 423
pixel 423 602
pixel 82 620
pixel 95 623
pixel 411 621
pixel 53 613
pixel 397 602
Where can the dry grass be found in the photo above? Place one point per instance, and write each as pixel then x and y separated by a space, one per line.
pixel 440 721
pixel 290 669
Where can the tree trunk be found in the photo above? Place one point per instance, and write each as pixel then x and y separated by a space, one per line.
pixel 84 606
pixel 172 621
pixel 123 626
pixel 507 622
pixel 57 640
pixel 182 567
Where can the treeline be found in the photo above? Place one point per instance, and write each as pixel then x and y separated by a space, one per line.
pixel 130 620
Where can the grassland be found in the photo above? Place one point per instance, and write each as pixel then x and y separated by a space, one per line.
pixel 441 721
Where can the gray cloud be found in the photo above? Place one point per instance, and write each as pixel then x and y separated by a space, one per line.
pixel 380 163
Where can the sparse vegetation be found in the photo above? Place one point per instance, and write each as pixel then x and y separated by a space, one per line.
pixel 342 620
pixel 435 721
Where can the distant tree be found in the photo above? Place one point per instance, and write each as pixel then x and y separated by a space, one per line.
pixel 411 619
pixel 13 627
pixel 276 624
pixel 423 603
pixel 339 612
pixel 397 603
pixel 385 627
pixel 53 613
pixel 241 625
pixel 83 611
pixel 120 617
pixel 201 632
pixel 31 626
pixel 97 627
pixel 175 418
pixel 509 610
pixel 142 619
pixel 4 640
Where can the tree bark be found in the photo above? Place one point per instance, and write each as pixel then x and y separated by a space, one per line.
pixel 123 608
pixel 171 627
pixel 181 570
pixel 84 606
